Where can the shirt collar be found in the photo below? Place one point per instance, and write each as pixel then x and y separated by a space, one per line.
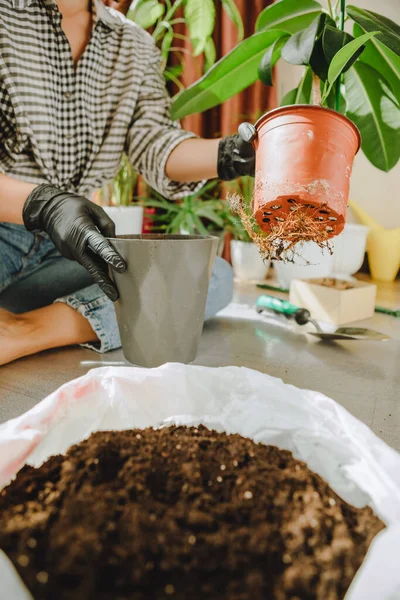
pixel 112 18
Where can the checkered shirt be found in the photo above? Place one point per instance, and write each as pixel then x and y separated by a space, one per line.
pixel 69 125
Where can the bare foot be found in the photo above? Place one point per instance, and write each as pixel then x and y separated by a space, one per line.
pixel 16 336
pixel 49 327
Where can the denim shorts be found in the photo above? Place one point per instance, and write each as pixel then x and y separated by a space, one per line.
pixel 33 274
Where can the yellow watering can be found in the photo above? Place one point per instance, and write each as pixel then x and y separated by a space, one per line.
pixel 383 247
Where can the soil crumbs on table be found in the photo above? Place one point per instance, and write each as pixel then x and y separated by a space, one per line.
pixel 181 513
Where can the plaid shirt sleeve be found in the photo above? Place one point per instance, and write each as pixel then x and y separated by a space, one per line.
pixel 153 135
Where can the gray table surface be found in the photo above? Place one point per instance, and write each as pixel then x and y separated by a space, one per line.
pixel 362 376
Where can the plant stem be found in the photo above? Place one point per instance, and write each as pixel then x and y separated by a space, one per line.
pixel 339 81
pixel 316 90
pixel 170 13
pixel 331 13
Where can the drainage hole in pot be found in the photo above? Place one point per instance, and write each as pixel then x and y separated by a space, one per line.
pixel 276 206
pixel 291 201
pixel 309 205
pixel 266 213
pixel 324 212
pixel 329 229
pixel 279 219
pixel 266 220
pixel 319 218
pixel 332 219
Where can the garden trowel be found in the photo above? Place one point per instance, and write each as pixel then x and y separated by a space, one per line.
pixel 302 316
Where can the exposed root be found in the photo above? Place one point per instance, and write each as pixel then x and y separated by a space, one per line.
pixel 279 243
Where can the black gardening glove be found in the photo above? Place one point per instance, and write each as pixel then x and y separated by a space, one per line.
pixel 76 227
pixel 236 155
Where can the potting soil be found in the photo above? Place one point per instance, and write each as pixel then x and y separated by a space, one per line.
pixel 180 513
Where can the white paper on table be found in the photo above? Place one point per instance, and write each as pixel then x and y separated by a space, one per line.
pixel 360 467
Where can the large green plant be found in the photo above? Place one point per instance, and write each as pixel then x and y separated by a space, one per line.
pixel 364 68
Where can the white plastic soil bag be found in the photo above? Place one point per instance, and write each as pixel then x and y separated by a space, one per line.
pixel 358 466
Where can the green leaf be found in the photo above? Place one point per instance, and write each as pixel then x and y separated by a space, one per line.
pixel 318 61
pixel 175 224
pixel 189 224
pixel 289 98
pixel 207 213
pixel 270 59
pixel 200 19
pixel 169 206
pixel 147 13
pixel 373 108
pixel 382 59
pixel 199 225
pixel 345 54
pixel 326 47
pixel 333 39
pixel 233 73
pixel 234 14
pixel 210 185
pixel 173 72
pixel 167 43
pixel 210 54
pixel 288 15
pixel 299 47
pixel 389 31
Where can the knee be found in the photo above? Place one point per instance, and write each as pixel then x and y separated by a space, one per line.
pixel 220 292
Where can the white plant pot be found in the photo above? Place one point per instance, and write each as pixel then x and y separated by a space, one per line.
pixel 128 219
pixel 349 250
pixel 310 262
pixel 247 263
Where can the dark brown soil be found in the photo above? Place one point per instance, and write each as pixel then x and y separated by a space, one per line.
pixel 184 514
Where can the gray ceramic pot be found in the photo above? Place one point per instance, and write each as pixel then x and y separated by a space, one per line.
pixel 163 296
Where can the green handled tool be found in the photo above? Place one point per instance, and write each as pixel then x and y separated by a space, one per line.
pixel 302 316
pixel 378 309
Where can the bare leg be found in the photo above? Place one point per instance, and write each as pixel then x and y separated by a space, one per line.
pixel 49 327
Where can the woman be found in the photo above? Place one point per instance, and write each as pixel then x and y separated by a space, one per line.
pixel 79 85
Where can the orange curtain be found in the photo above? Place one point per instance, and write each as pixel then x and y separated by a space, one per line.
pixel 247 106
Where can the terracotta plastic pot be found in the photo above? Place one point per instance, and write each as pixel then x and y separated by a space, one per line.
pixel 304 155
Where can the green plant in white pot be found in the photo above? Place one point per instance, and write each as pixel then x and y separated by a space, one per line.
pixel 119 203
pixel 247 263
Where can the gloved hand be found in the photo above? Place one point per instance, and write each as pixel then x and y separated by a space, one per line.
pixel 76 227
pixel 236 155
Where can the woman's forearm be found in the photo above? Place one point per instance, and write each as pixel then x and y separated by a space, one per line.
pixel 13 194
pixel 193 160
